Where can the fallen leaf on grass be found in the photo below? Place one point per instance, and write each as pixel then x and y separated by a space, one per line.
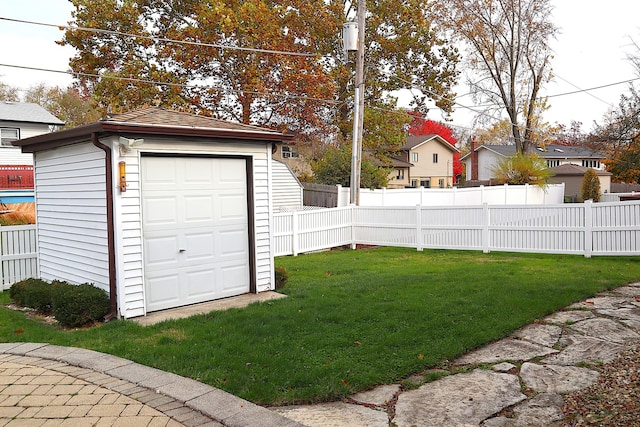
pixel 345 382
pixel 421 356
pixel 357 342
pixel 19 331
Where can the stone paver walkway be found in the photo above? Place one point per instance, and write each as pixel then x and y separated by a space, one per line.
pixel 47 385
pixel 37 396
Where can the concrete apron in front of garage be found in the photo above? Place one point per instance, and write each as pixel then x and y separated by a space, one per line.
pixel 206 307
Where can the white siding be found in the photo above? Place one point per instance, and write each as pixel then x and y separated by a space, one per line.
pixel 286 189
pixel 13 155
pixel 71 214
pixel 131 298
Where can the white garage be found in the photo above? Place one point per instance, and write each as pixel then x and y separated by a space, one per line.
pixel 161 209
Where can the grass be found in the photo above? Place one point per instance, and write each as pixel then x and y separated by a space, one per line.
pixel 353 319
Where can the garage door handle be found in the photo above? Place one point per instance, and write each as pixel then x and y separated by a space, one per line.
pixel 182 250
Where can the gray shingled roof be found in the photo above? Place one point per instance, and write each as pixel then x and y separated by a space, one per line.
pixel 27 112
pixel 160 116
pixel 551 151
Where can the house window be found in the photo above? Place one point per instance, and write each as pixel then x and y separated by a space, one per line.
pixel 553 163
pixel 435 157
pixel 400 174
pixel 7 135
pixel 426 183
pixel 289 152
pixel 441 183
pixel 414 157
pixel 591 164
pixel 414 183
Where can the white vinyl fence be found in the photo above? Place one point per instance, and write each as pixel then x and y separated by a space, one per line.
pixel 492 195
pixel 18 254
pixel 586 229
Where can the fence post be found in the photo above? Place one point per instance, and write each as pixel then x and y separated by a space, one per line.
pixel 526 193
pixel 485 229
pixel 294 233
pixel 383 196
pixel 419 228
pixel 352 211
pixel 588 228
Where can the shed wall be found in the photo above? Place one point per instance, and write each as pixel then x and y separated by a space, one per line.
pixel 71 215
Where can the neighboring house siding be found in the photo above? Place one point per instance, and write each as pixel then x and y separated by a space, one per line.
pixel 129 219
pixel 286 189
pixel 73 240
pixel 425 168
pixel 486 161
pixel 13 155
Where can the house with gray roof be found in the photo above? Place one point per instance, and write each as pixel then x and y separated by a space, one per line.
pixel 482 159
pixel 20 120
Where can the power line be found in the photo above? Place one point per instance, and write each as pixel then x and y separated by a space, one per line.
pixel 157 39
pixel 181 85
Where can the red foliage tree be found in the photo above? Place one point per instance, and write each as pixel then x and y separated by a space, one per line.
pixel 421 126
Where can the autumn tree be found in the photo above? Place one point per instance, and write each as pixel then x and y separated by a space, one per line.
pixel 508 48
pixel 67 104
pixel 619 138
pixel 227 64
pixel 421 126
pixel 8 93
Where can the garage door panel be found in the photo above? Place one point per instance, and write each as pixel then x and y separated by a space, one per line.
pixel 195 230
pixel 233 277
pixel 160 251
pixel 198 208
pixel 163 292
pixel 199 246
pixel 233 242
pixel 198 172
pixel 161 211
pixel 200 284
pixel 160 174
pixel 233 207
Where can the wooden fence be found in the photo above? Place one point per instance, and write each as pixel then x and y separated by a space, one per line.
pixel 18 254
pixel 586 228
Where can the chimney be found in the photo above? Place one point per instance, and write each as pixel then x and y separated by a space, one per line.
pixel 474 159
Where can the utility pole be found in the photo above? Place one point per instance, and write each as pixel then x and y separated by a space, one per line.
pixel 358 109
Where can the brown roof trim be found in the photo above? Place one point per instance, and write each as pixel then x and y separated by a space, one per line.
pixel 83 133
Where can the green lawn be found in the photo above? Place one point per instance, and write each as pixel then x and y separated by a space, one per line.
pixel 353 319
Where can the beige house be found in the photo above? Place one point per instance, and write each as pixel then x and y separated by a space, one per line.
pixel 573 175
pixel 424 161
pixel 288 154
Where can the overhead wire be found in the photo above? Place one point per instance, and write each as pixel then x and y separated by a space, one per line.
pixel 182 85
pixel 160 39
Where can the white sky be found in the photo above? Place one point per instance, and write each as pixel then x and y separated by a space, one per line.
pixel 590 51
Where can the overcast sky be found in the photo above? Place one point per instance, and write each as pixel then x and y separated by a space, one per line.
pixel 590 52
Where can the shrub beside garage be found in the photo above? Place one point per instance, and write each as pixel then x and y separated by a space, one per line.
pixel 71 305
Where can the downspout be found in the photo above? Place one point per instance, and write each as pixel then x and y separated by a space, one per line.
pixel 113 302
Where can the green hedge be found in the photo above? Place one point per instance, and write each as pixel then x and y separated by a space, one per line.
pixel 71 305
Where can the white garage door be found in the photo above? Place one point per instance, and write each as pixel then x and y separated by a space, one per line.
pixel 195 229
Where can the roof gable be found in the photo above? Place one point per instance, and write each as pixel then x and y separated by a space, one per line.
pixel 27 112
pixel 416 141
